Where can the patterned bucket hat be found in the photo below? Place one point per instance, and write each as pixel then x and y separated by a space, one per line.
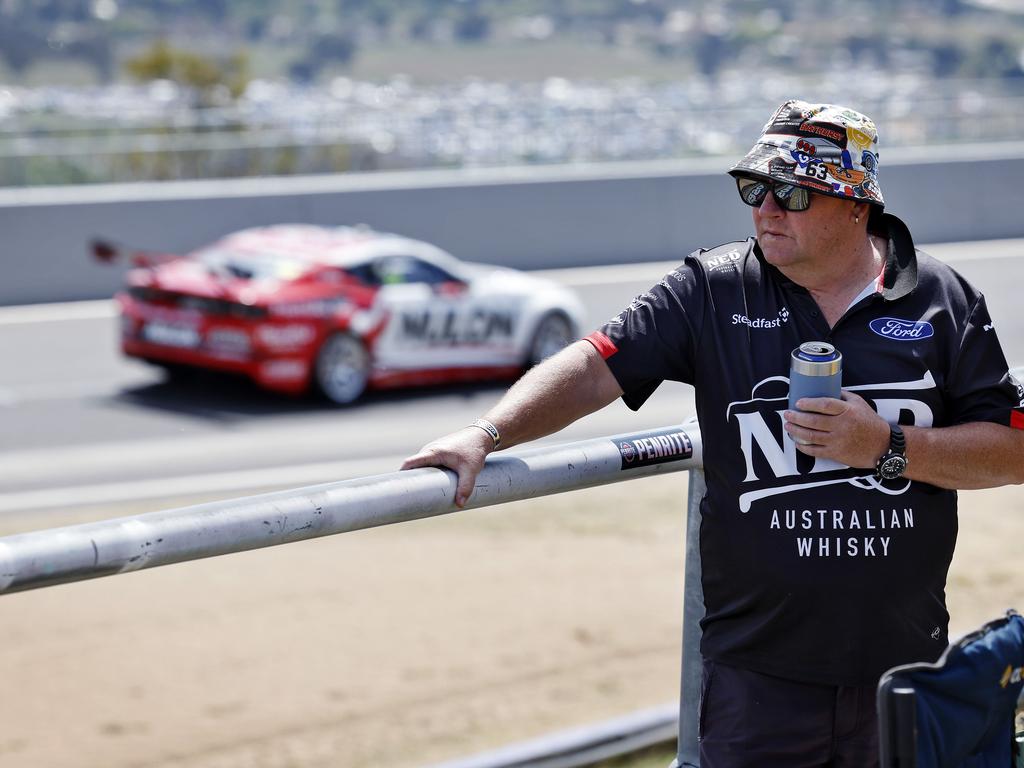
pixel 823 147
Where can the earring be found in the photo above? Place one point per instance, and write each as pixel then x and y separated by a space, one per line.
pixel 856 219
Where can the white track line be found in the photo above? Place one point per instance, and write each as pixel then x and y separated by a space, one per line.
pixel 55 313
pixel 195 485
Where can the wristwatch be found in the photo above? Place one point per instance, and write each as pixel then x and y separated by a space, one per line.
pixel 893 463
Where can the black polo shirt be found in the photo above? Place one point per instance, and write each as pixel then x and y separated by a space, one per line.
pixel 813 570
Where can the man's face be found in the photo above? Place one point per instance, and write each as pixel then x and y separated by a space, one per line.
pixel 802 238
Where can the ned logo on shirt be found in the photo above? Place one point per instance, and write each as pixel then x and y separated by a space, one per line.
pixel 771 461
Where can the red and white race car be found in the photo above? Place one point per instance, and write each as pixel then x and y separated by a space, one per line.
pixel 342 309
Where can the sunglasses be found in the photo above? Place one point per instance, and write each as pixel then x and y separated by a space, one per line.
pixel 788 196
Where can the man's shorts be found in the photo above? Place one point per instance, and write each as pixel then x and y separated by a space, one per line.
pixel 748 719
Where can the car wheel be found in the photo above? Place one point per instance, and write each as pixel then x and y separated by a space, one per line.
pixel 554 333
pixel 342 368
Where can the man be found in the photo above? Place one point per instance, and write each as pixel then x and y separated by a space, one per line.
pixel 827 532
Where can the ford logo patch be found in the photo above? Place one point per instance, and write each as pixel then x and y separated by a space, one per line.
pixel 901 330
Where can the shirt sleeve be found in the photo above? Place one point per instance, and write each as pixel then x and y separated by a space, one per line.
pixel 654 338
pixel 981 387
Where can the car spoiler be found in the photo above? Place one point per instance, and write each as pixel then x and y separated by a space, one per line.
pixel 109 252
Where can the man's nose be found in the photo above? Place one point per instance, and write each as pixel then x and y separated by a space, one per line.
pixel 770 206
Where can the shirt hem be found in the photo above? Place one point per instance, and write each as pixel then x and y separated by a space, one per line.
pixel 787 673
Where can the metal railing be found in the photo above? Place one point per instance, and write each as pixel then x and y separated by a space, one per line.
pixel 78 552
pixel 122 545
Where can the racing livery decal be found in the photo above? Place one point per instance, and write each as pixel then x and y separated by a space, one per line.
pixel 479 326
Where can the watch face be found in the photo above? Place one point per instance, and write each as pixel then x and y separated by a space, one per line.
pixel 893 467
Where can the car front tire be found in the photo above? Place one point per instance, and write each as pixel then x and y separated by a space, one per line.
pixel 342 368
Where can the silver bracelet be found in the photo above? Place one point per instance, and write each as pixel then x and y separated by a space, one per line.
pixel 490 429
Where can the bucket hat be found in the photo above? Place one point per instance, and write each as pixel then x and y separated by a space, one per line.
pixel 830 149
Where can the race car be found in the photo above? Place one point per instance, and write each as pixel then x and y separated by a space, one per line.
pixel 338 310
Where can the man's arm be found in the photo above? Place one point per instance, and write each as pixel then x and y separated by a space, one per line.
pixel 965 456
pixel 562 389
pixel 977 455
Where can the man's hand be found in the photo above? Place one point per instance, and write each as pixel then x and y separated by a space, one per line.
pixel 848 430
pixel 566 386
pixel 463 452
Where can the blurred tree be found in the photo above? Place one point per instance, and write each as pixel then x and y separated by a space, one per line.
pixel 993 57
pixel 419 28
pixel 333 49
pixel 947 58
pixel 472 25
pixel 327 49
pixel 1003 58
pixel 54 11
pixel 868 49
pixel 23 42
pixel 156 63
pixel 203 74
pixel 19 47
pixel 97 50
pixel 302 71
pixel 709 51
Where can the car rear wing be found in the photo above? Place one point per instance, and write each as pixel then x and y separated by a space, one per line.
pixel 109 252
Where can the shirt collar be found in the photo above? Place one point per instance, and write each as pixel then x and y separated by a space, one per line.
pixel 899 276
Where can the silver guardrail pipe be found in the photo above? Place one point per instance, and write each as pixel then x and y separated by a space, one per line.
pixel 121 545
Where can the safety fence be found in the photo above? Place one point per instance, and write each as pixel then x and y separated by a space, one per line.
pixel 121 545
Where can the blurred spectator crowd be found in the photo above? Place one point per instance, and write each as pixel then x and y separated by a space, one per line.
pixel 123 132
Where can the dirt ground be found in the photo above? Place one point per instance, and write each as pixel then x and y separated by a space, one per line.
pixel 400 646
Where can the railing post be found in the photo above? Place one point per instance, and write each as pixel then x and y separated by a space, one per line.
pixel 687 754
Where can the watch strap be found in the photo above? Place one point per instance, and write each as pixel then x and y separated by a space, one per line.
pixel 897 440
pixel 897 450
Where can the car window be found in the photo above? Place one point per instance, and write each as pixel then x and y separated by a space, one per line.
pixel 365 273
pixel 392 270
pixel 251 265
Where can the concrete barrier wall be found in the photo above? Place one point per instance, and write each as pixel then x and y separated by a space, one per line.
pixel 528 217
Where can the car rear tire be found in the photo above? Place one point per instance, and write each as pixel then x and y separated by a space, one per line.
pixel 342 368
pixel 554 332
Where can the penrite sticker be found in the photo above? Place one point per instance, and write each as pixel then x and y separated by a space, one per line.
pixel 656 447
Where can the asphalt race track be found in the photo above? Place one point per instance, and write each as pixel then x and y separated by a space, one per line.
pixel 83 426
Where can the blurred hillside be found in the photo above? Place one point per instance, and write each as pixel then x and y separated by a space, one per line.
pixel 88 41
pixel 111 90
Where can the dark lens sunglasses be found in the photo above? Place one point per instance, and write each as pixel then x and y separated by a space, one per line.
pixel 788 196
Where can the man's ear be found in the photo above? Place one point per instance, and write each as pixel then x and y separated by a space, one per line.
pixel 861 212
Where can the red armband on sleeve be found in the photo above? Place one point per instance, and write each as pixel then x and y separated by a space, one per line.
pixel 604 346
